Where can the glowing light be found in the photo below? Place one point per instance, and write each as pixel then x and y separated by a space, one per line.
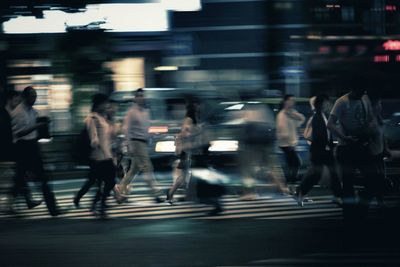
pixel 324 49
pixel 343 49
pixel 166 68
pixel 158 129
pixel 390 8
pixel 381 58
pixel 165 147
pixel 398 58
pixel 392 45
pixel 224 146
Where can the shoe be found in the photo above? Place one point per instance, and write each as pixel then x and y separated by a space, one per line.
pixel 158 200
pixel 338 201
pixel 11 211
pixel 299 198
pixel 57 212
pixel 76 202
pixel 31 204
pixel 215 211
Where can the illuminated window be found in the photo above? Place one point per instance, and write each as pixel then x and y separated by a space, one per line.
pixel 128 73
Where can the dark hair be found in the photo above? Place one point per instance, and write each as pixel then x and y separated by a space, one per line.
pixel 98 99
pixel 285 98
pixel 140 90
pixel 27 91
pixel 319 101
pixel 11 94
pixel 191 112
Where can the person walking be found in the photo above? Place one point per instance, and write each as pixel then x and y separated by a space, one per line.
pixel 136 126
pixel 184 143
pixel 379 151
pixel 28 157
pixel 287 122
pixel 352 121
pixel 106 112
pixel 321 151
pixel 101 164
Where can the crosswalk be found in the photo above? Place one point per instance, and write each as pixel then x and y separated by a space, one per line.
pixel 142 207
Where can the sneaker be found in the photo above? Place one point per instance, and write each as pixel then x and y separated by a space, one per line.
pixel 158 200
pixel 76 202
pixel 215 211
pixel 32 204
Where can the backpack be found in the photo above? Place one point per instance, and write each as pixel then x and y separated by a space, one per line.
pixel 82 148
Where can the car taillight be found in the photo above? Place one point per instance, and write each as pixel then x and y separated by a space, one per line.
pixel 158 129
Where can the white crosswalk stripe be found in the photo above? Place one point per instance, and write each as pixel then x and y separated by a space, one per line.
pixel 142 207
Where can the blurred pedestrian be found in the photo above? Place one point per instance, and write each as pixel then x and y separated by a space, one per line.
pixel 29 159
pixel 321 151
pixel 379 150
pixel 352 121
pixel 108 114
pixel 102 167
pixel 287 123
pixel 136 126
pixel 256 150
pixel 7 153
pixel 185 142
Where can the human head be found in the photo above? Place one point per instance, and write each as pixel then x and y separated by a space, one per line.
pixel 29 96
pixel 139 97
pixel 358 84
pixel 320 103
pixel 12 99
pixel 99 103
pixel 288 102
pixel 191 111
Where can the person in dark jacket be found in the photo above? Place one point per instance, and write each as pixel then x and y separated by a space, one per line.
pixel 321 151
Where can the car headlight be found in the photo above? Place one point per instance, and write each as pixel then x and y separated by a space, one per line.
pixel 165 146
pixel 223 146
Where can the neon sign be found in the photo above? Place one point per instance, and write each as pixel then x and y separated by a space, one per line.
pixel 381 58
pixel 392 45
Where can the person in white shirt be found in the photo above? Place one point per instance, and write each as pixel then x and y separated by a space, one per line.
pixel 25 126
pixel 102 167
pixel 136 127
pixel 287 122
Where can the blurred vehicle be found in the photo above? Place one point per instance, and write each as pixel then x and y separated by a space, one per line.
pixel 392 131
pixel 167 109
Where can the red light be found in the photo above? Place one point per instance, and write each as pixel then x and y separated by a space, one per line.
pixel 158 129
pixel 398 58
pixel 392 45
pixel 381 58
pixel 390 8
pixel 324 49
pixel 343 49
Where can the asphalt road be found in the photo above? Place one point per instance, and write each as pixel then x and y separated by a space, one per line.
pixel 270 230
